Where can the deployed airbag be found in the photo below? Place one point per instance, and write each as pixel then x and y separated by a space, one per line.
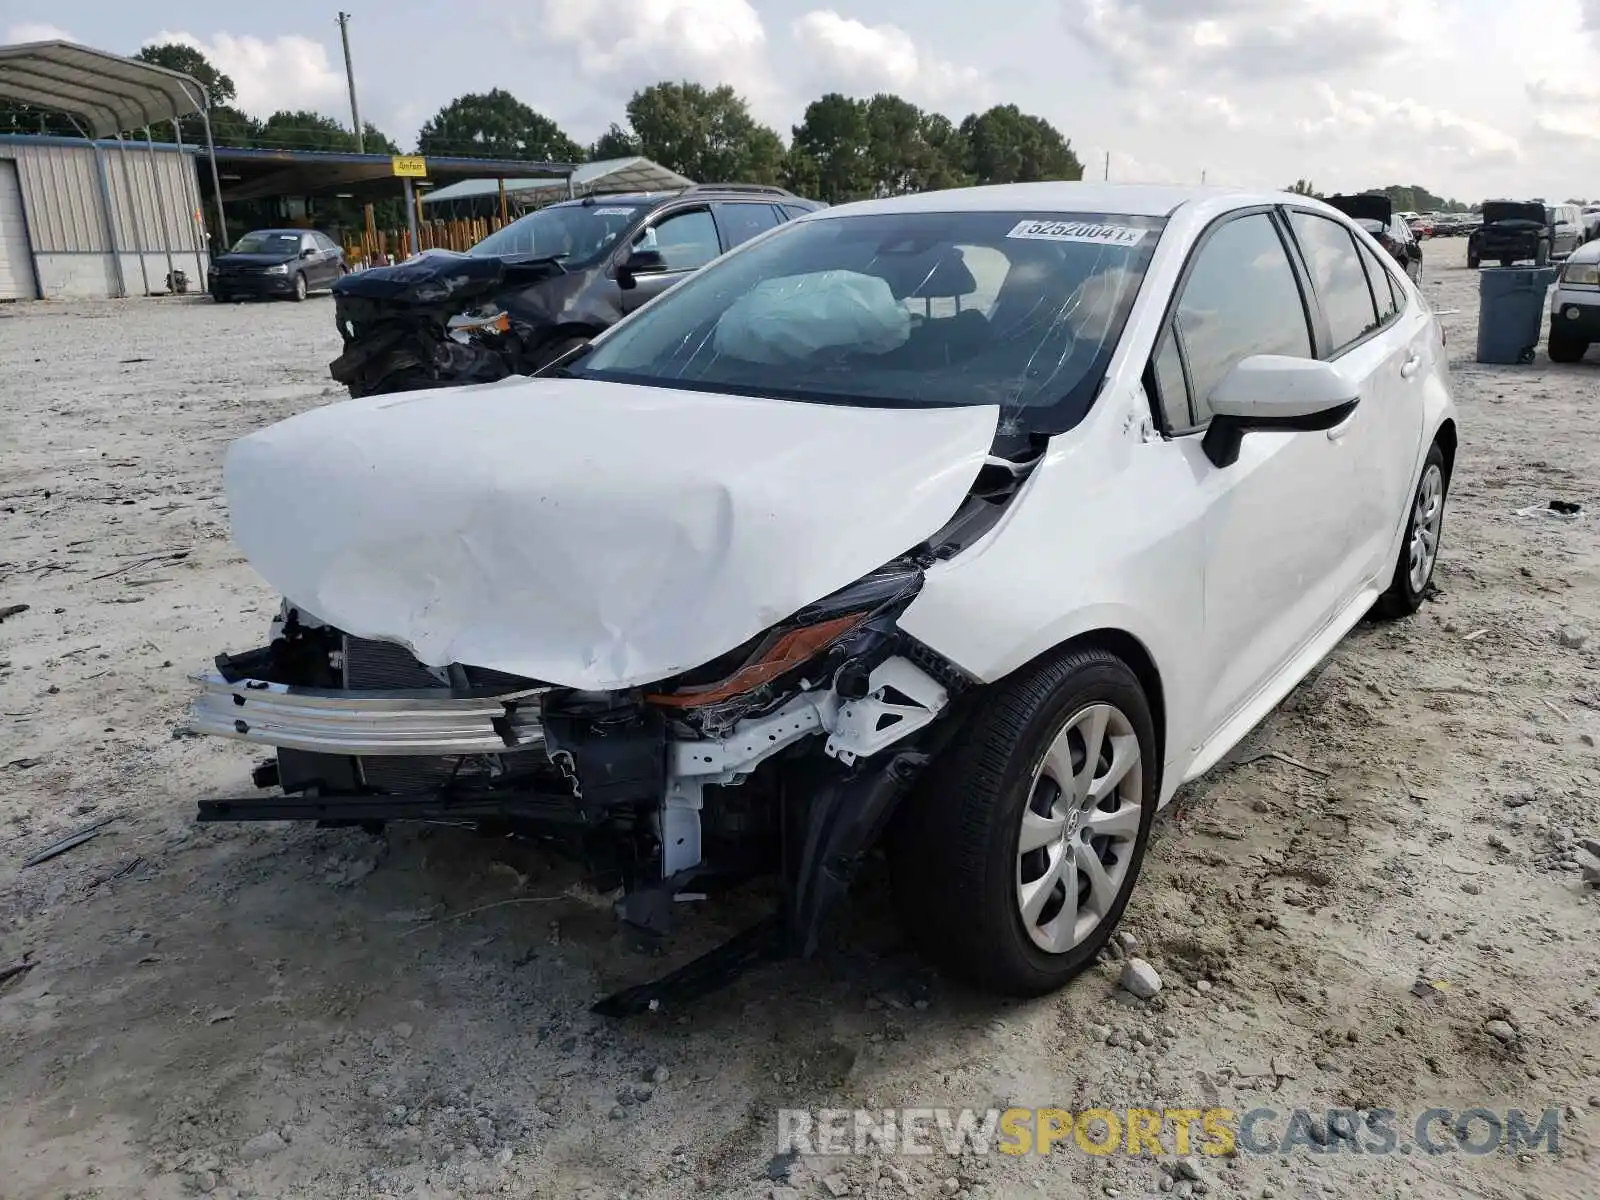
pixel 791 318
pixel 588 534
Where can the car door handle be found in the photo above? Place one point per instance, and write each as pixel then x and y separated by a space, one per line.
pixel 1411 366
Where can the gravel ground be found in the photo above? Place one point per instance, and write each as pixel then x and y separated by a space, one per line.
pixel 281 1011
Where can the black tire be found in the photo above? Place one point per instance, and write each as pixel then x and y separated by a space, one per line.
pixel 1402 598
pixel 300 290
pixel 1566 349
pixel 1541 256
pixel 953 853
pixel 1472 259
pixel 1506 262
pixel 219 297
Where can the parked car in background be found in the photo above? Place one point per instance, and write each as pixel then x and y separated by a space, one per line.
pixel 540 287
pixel 1566 225
pixel 1575 305
pixel 935 522
pixel 276 262
pixel 1374 212
pixel 1512 231
pixel 1591 222
pixel 1421 227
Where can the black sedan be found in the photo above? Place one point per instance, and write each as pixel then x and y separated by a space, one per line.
pixel 276 262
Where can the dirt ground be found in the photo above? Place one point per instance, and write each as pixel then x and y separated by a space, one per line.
pixel 280 1011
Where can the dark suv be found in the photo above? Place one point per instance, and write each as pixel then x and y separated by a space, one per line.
pixel 1512 231
pixel 542 286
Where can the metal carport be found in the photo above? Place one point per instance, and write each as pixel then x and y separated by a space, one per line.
pixel 104 95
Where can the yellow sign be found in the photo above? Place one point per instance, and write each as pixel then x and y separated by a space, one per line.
pixel 413 165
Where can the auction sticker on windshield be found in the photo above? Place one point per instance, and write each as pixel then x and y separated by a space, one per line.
pixel 613 212
pixel 1078 231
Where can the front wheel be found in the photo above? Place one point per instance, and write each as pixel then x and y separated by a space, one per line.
pixel 1472 259
pixel 300 286
pixel 1565 349
pixel 1014 860
pixel 1541 256
pixel 1419 550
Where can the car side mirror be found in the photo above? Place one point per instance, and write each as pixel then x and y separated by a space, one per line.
pixel 1275 393
pixel 640 262
pixel 308 252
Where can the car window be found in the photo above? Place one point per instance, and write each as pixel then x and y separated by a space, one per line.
pixel 794 210
pixel 326 242
pixel 1172 390
pixel 1241 298
pixel 686 240
pixel 1384 288
pixel 913 309
pixel 741 222
pixel 1336 274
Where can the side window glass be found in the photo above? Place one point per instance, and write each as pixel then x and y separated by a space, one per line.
pixel 794 210
pixel 1336 274
pixel 1172 391
pixel 1241 298
pixel 1383 288
pixel 741 222
pixel 687 240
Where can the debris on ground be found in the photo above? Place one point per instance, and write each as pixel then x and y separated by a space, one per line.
pixel 71 841
pixel 1140 978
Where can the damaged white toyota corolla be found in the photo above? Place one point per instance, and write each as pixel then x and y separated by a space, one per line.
pixel 969 525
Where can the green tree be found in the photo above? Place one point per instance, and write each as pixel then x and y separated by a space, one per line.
pixel 909 150
pixel 1303 187
pixel 830 155
pixel 302 130
pixel 177 57
pixel 495 124
pixel 1006 145
pixel 708 135
pixel 25 118
pixel 615 142
pixel 229 125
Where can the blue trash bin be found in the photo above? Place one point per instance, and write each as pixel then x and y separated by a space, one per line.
pixel 1511 303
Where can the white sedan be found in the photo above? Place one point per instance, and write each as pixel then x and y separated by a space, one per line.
pixel 968 524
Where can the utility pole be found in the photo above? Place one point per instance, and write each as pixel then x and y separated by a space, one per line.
pixel 350 78
pixel 1202 179
pixel 1108 165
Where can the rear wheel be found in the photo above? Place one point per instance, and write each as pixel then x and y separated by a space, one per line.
pixel 1472 259
pixel 1419 549
pixel 1014 860
pixel 1566 349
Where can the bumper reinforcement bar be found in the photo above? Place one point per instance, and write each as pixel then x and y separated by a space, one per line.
pixel 422 722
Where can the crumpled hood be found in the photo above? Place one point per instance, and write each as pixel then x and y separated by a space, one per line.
pixel 593 535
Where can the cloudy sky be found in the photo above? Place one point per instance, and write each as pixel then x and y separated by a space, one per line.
pixel 1471 98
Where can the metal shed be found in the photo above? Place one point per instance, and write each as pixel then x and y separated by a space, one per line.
pixel 78 219
pixel 87 217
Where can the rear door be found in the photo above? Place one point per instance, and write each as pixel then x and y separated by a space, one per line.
pixel 686 239
pixel 740 220
pixel 1362 334
pixel 1276 523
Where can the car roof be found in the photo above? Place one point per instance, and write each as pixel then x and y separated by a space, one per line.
pixel 1123 199
pixel 735 192
pixel 295 232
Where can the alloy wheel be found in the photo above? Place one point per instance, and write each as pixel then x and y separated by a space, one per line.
pixel 1080 827
pixel 1426 519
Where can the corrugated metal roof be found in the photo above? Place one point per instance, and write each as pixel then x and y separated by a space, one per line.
pixel 107 92
pixel 611 175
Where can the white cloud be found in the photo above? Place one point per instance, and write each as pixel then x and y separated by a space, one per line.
pixel 289 72
pixel 1156 40
pixel 35 32
pixel 633 43
pixel 871 58
pixel 1399 123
